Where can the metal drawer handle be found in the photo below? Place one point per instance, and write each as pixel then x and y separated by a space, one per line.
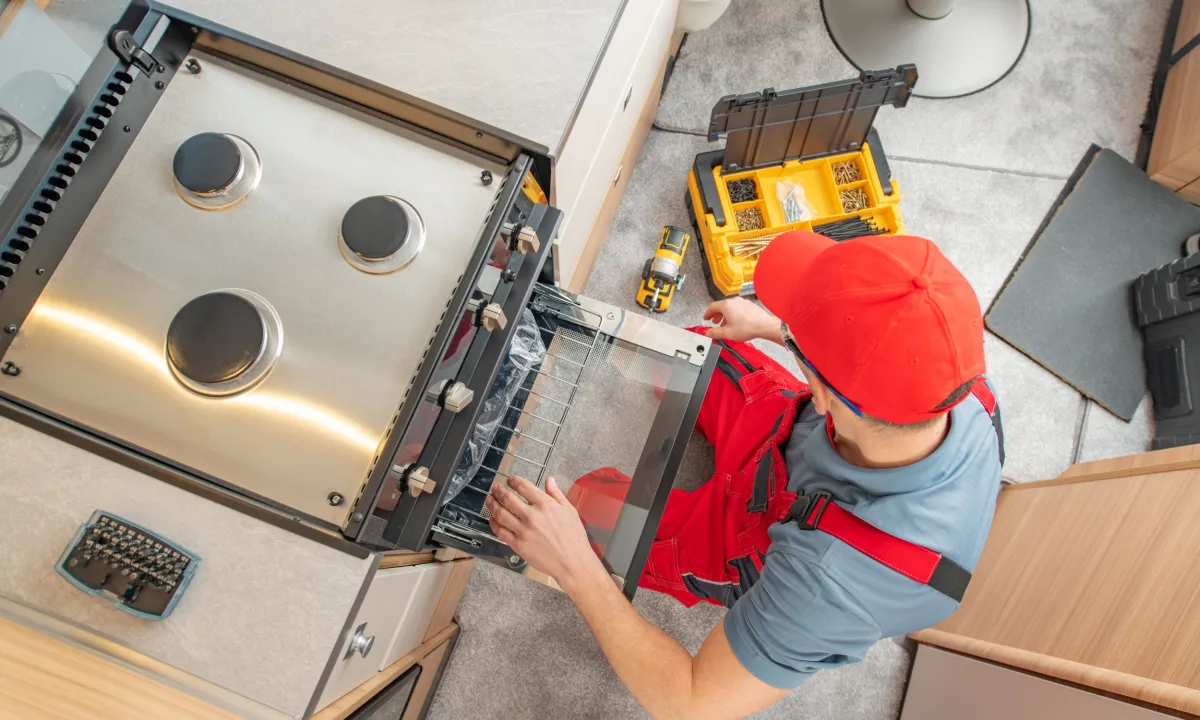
pixel 618 175
pixel 360 643
pixel 628 96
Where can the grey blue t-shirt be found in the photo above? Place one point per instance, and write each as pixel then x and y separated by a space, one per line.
pixel 820 603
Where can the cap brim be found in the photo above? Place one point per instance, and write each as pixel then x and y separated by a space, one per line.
pixel 782 262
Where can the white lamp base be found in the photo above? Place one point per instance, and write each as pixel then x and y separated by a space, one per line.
pixel 970 49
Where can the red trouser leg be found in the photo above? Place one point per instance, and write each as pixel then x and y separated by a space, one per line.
pixel 747 411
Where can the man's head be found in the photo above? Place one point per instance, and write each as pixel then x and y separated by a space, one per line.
pixel 885 324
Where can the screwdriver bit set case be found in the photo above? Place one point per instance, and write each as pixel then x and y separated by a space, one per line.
pixel 140 572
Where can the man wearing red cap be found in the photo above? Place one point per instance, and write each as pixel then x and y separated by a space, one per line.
pixel 843 509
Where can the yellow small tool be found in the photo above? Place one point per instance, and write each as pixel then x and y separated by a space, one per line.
pixel 660 276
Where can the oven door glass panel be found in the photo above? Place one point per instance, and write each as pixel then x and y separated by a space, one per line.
pixel 607 414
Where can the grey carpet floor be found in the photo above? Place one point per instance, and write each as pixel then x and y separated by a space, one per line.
pixel 1083 79
pixel 978 174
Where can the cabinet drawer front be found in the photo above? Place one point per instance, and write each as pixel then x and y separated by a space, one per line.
pixel 357 656
pixel 607 412
pixel 607 89
pixel 415 621
pixel 605 169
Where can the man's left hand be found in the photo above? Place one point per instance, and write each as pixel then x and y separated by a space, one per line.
pixel 546 531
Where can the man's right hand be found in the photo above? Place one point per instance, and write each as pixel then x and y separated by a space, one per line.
pixel 739 319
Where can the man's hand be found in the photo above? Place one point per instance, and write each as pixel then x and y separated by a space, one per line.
pixel 547 531
pixel 739 319
pixel 660 673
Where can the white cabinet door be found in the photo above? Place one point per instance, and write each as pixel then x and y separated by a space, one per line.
pixel 620 116
pixel 367 640
pixel 599 98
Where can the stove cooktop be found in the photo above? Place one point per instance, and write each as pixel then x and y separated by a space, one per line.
pixel 254 291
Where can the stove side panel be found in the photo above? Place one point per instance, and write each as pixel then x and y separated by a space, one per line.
pixel 263 613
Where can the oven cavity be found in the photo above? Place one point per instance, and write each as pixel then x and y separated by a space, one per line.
pixel 215 171
pixel 381 234
pixel 223 343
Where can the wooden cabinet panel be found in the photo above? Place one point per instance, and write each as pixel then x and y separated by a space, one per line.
pixel 1094 578
pixel 1175 154
pixel 42 678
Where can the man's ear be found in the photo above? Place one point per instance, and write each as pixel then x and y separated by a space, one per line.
pixel 821 395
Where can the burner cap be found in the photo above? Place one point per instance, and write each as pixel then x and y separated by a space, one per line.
pixel 215 338
pixel 207 163
pixel 375 228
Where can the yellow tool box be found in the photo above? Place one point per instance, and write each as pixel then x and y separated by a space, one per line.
pixel 805 159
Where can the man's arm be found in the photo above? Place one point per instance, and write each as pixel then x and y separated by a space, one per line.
pixel 658 671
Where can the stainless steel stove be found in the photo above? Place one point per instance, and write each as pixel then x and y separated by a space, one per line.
pixel 254 291
pixel 296 292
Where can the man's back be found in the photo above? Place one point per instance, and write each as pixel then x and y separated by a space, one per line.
pixel 820 603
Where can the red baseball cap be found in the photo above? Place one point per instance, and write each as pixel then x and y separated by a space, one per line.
pixel 887 321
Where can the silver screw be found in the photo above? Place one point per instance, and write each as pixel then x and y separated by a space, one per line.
pixel 335 499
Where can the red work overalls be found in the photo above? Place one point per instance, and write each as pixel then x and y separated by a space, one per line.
pixel 711 542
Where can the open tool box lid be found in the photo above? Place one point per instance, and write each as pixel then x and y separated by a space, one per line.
pixel 769 128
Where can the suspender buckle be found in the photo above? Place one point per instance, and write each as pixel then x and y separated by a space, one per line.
pixel 808 509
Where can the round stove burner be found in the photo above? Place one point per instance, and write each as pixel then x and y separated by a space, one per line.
pixel 375 227
pixel 214 171
pixel 224 342
pixel 215 338
pixel 381 234
pixel 207 163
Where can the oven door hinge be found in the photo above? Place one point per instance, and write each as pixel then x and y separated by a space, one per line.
pixel 122 43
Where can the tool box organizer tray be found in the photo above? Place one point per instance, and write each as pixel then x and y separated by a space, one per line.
pixel 822 191
pixel 819 138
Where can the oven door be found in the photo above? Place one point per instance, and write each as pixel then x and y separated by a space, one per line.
pixel 601 399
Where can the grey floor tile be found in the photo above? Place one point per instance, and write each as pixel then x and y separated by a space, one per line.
pixel 1107 436
pixel 1039 411
pixel 653 198
pixel 1084 79
pixel 981 220
pixel 525 652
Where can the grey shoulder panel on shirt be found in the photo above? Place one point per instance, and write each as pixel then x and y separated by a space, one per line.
pixel 796 620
